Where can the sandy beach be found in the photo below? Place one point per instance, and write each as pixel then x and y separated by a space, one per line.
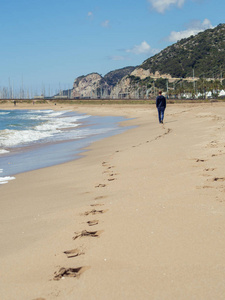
pixel 141 215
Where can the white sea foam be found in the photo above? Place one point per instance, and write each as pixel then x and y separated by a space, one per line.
pixel 9 138
pixel 4 112
pixel 48 129
pixel 52 126
pixel 56 113
pixel 47 111
pixel 5 179
pixel 3 151
pixel 57 124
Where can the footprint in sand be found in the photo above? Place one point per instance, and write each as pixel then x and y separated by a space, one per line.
pixel 206 175
pixel 93 222
pixel 69 272
pixel 158 137
pixel 219 179
pixel 209 169
pixel 105 172
pixel 137 145
pixel 200 160
pixel 207 187
pixel 73 253
pixel 168 131
pixel 100 197
pixel 87 233
pixel 100 185
pixel 213 144
pixel 97 204
pixel 113 174
pixel 218 154
pixel 94 212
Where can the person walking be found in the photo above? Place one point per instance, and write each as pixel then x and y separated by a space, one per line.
pixel 161 106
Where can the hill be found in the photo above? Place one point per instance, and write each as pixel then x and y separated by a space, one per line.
pixel 203 53
pixel 188 67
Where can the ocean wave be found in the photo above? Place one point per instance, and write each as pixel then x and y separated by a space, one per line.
pixel 57 113
pixel 9 138
pixel 47 111
pixel 3 151
pixel 44 114
pixel 55 116
pixel 4 180
pixel 4 112
pixel 40 125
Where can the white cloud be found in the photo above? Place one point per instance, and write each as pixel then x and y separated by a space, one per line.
pixel 162 5
pixel 90 14
pixel 192 29
pixel 143 48
pixel 105 23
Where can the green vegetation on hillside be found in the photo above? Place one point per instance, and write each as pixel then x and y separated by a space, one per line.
pixel 148 82
pixel 202 55
pixel 179 88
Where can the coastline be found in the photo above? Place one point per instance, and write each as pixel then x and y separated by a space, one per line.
pixel 161 192
pixel 56 137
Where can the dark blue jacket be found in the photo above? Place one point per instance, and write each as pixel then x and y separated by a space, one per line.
pixel 161 102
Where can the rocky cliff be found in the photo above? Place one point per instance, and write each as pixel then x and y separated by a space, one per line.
pixel 91 86
pixel 95 86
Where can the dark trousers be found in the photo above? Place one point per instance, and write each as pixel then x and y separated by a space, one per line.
pixel 161 114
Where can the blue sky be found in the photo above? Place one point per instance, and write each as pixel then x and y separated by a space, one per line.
pixel 48 43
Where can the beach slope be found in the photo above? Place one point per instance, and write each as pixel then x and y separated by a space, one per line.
pixel 140 216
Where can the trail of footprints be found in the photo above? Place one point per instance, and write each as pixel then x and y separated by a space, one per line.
pixel 96 209
pixel 168 131
pixel 73 253
pixel 213 182
pixel 109 173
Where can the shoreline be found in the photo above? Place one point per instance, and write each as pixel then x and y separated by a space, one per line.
pixel 39 154
pixel 160 190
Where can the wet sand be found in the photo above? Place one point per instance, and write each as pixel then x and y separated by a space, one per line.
pixel 140 216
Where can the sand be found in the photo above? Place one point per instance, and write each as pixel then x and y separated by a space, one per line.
pixel 140 216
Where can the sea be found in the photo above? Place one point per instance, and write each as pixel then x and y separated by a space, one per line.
pixel 34 139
